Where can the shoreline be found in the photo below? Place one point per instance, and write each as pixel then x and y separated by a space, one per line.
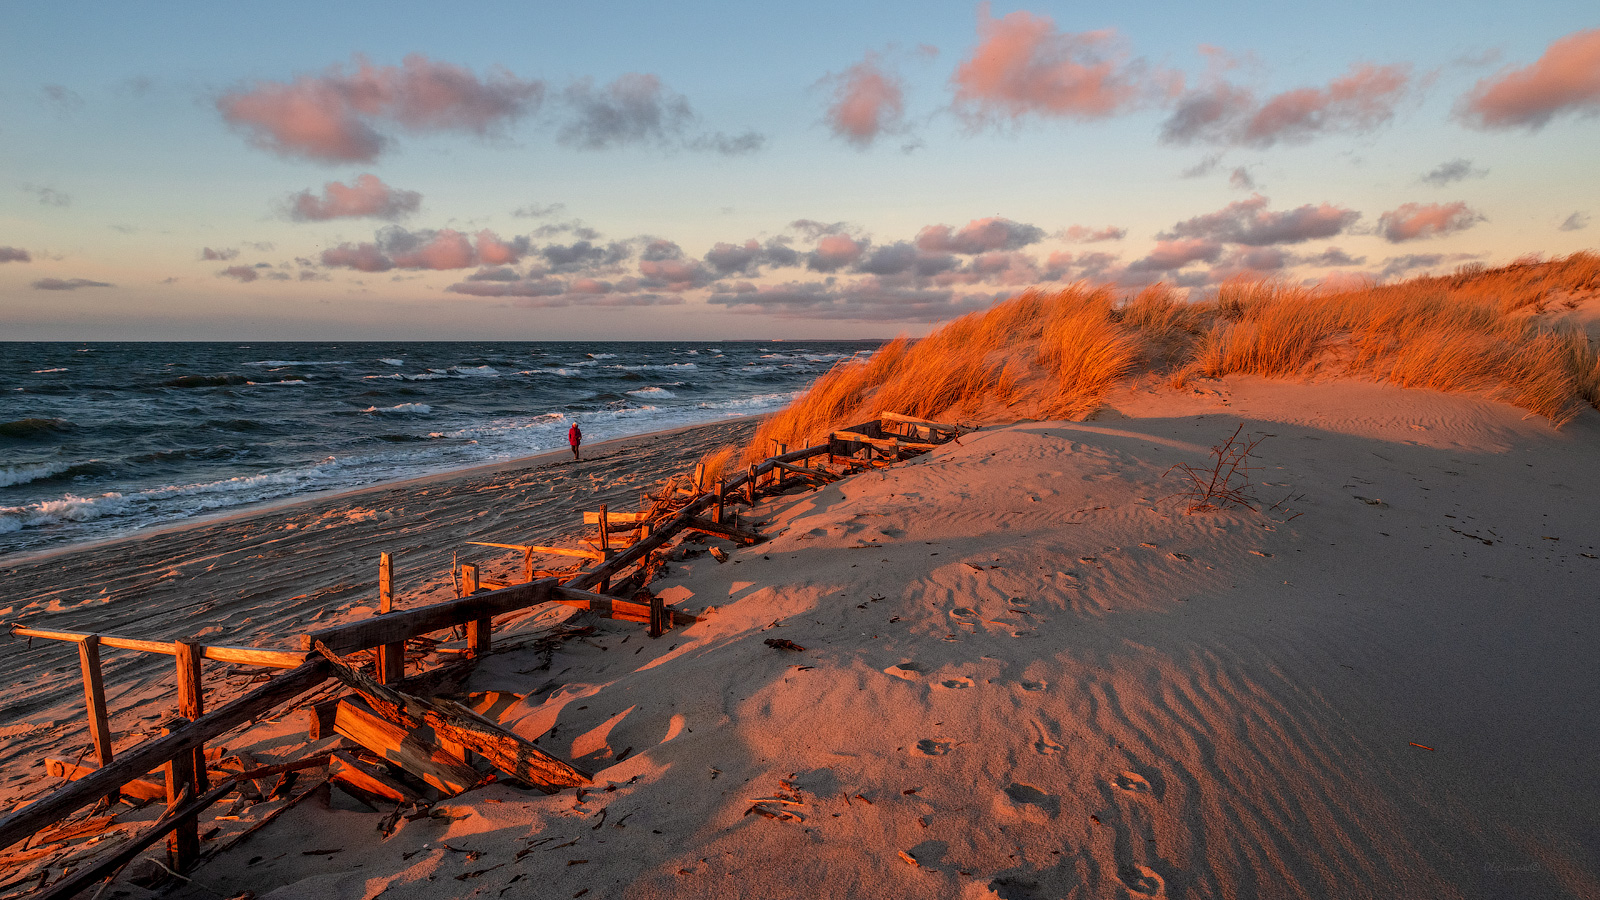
pixel 537 460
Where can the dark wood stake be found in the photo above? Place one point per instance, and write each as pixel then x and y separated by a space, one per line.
pixel 192 705
pixel 183 844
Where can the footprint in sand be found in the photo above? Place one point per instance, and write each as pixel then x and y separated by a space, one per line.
pixel 1034 685
pixel 956 684
pixel 962 612
pixel 1044 745
pixel 905 670
pixel 1142 880
pixel 1028 795
pixel 1132 783
pixel 931 747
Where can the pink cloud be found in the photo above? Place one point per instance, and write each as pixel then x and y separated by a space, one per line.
pixel 867 101
pixel 1250 222
pixel 979 236
pixel 1565 79
pixel 1175 254
pixel 446 249
pixel 361 257
pixel 397 248
pixel 368 197
pixel 835 251
pixel 1360 101
pixel 674 274
pixel 1024 65
pixel 14 254
pixel 245 274
pixel 333 117
pixel 1079 234
pixel 492 251
pixel 1414 221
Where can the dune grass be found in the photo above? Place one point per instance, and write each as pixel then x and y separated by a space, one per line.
pixel 1495 331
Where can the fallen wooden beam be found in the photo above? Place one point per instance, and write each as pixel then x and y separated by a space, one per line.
pixel 881 443
pixel 136 760
pixel 616 518
pixel 416 752
pixel 367 781
pixel 612 608
pixel 137 788
pixel 249 656
pixel 536 548
pixel 913 420
pixel 738 535
pixel 504 750
pixel 398 626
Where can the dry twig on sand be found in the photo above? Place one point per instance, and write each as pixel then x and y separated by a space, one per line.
pixel 1227 482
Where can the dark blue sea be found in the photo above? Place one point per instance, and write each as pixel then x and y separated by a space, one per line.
pixel 103 439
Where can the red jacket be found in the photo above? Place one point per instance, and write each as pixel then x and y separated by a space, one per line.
pixel 574 436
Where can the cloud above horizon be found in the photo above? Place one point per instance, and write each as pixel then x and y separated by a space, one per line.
pixel 1249 222
pixel 1455 170
pixel 346 115
pixel 366 197
pixel 1228 115
pixel 1024 66
pixel 638 110
pixel 1564 80
pixel 446 248
pixel 14 254
pixel 1417 221
pixel 68 284
pixel 867 102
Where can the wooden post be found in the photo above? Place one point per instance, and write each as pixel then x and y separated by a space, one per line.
pixel 527 564
pixel 183 844
pixel 750 485
pixel 605 533
pixel 699 477
pixel 192 704
pixel 477 629
pixel 660 622
pixel 722 490
pixel 94 700
pixel 385 583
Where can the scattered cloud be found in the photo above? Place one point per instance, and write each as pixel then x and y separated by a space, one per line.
pixel 17 254
pixel 1575 222
pixel 638 110
pixel 729 144
pixel 1451 172
pixel 867 102
pixel 224 254
pixel 834 252
pixel 68 284
pixel 343 115
pixel 1249 222
pixel 245 274
pixel 1080 234
pixel 367 197
pixel 1225 114
pixel 1396 266
pixel 1204 167
pixel 48 196
pixel 866 299
pixel 539 210
pixel 1241 179
pixel 62 97
pixel 1566 79
pixel 979 236
pixel 1024 66
pixel 1169 255
pixel 1415 221
pixel 446 248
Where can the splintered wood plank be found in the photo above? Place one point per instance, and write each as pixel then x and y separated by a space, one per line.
pixel 616 518
pixel 450 721
pixel 367 780
pixel 415 750
pixel 403 624
pixel 137 788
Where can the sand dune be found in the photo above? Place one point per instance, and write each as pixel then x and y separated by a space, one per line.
pixel 1028 674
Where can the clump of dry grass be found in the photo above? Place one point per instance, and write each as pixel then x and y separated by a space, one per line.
pixel 1057 354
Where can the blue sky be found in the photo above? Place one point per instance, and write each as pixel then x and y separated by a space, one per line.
pixel 584 161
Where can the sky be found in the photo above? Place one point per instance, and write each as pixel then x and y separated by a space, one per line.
pixel 633 171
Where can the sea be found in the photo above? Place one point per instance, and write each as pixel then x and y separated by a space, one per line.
pixel 102 440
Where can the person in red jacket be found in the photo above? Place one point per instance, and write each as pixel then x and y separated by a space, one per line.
pixel 574 437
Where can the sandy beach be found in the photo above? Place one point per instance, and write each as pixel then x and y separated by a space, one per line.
pixel 1027 671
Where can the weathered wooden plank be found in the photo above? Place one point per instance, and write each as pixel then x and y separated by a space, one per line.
pixel 141 758
pixel 616 518
pixel 398 626
pixel 451 721
pixel 913 420
pixel 738 535
pixel 385 583
pixel 538 548
pixel 137 788
pixel 638 551
pixel 192 704
pixel 183 779
pixel 612 608
pixel 249 656
pixel 414 750
pixel 881 443
pixel 367 780
pixel 479 630
pixel 94 698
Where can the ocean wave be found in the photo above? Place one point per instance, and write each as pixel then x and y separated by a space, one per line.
pixel 34 428
pixel 275 363
pixel 194 381
pixel 273 383
pixel 46 371
pixel 601 355
pixel 476 371
pixel 393 362
pixel 563 371
pixel 402 409
pixel 656 367
pixel 759 401
pixel 652 392
pixel 14 475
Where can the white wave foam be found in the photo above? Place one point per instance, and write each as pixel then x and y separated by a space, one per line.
pixel 654 368
pixel 402 409
pixel 601 355
pixel 652 392
pixel 425 376
pixel 276 383
pixel 393 362
pixel 14 475
pixel 476 371
pixel 46 371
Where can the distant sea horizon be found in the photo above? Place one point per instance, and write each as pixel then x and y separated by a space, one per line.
pixel 106 439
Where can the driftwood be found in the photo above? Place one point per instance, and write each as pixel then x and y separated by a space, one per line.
pixel 366 781
pixel 408 748
pixel 146 789
pixel 738 535
pixel 506 751
pixel 398 626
